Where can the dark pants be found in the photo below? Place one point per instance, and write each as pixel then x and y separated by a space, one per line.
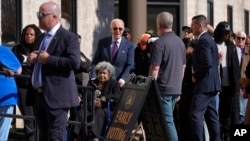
pixel 228 111
pixel 26 108
pixel 184 112
pixel 51 122
pixel 204 107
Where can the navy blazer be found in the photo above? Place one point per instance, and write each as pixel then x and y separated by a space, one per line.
pixel 124 61
pixel 58 79
pixel 205 65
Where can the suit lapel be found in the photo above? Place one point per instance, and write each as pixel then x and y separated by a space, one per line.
pixel 107 50
pixel 54 40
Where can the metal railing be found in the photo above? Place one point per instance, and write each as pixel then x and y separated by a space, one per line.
pixel 86 91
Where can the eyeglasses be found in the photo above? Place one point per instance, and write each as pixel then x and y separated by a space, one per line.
pixel 241 38
pixel 187 32
pixel 119 28
pixel 41 15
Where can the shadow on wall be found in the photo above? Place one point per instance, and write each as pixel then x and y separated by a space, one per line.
pixel 104 12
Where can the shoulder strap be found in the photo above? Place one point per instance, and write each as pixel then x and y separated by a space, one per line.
pixel 85 57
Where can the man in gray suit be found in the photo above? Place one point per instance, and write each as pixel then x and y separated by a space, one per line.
pixel 55 57
pixel 116 50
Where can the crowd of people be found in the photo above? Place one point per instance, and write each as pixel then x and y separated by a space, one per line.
pixel 203 77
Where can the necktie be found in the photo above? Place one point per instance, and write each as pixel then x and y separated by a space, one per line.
pixel 37 81
pixel 115 50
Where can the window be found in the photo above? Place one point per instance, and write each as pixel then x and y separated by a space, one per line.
pixel 246 18
pixel 210 12
pixel 230 15
pixel 164 0
pixel 69 14
pixel 10 21
pixel 153 10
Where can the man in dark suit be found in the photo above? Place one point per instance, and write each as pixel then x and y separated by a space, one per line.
pixel 206 82
pixel 123 60
pixel 55 57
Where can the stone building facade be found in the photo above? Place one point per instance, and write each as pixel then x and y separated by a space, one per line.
pixel 93 16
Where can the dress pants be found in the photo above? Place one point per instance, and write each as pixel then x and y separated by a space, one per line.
pixel 228 111
pixel 51 122
pixel 26 108
pixel 204 106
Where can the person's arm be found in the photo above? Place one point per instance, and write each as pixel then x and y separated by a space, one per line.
pixel 129 64
pixel 153 71
pixel 183 71
pixel 11 72
pixel 205 59
pixel 9 62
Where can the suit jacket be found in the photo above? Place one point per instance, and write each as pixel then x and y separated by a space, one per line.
pixel 58 79
pixel 205 65
pixel 124 61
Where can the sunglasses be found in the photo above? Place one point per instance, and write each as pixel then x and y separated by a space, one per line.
pixel 118 28
pixel 41 15
pixel 187 32
pixel 241 38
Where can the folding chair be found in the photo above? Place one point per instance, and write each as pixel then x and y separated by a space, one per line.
pixel 138 132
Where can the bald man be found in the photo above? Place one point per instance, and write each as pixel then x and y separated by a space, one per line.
pixel 55 57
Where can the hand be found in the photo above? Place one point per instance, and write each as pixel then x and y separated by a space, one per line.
pixel 8 71
pixel 121 82
pixel 193 79
pixel 79 99
pixel 189 50
pixel 178 99
pixel 43 56
pixel 32 57
pixel 103 99
pixel 98 103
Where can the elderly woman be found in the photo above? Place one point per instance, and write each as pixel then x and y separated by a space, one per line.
pixel 107 89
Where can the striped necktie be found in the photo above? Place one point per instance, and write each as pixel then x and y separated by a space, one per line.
pixel 115 51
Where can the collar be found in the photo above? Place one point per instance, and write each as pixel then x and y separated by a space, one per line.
pixel 119 40
pixel 201 34
pixel 54 29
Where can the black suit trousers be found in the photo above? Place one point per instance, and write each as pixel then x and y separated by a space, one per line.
pixel 203 107
pixel 51 122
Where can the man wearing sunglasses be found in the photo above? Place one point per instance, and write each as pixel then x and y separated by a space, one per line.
pixel 243 49
pixel 55 57
pixel 117 50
